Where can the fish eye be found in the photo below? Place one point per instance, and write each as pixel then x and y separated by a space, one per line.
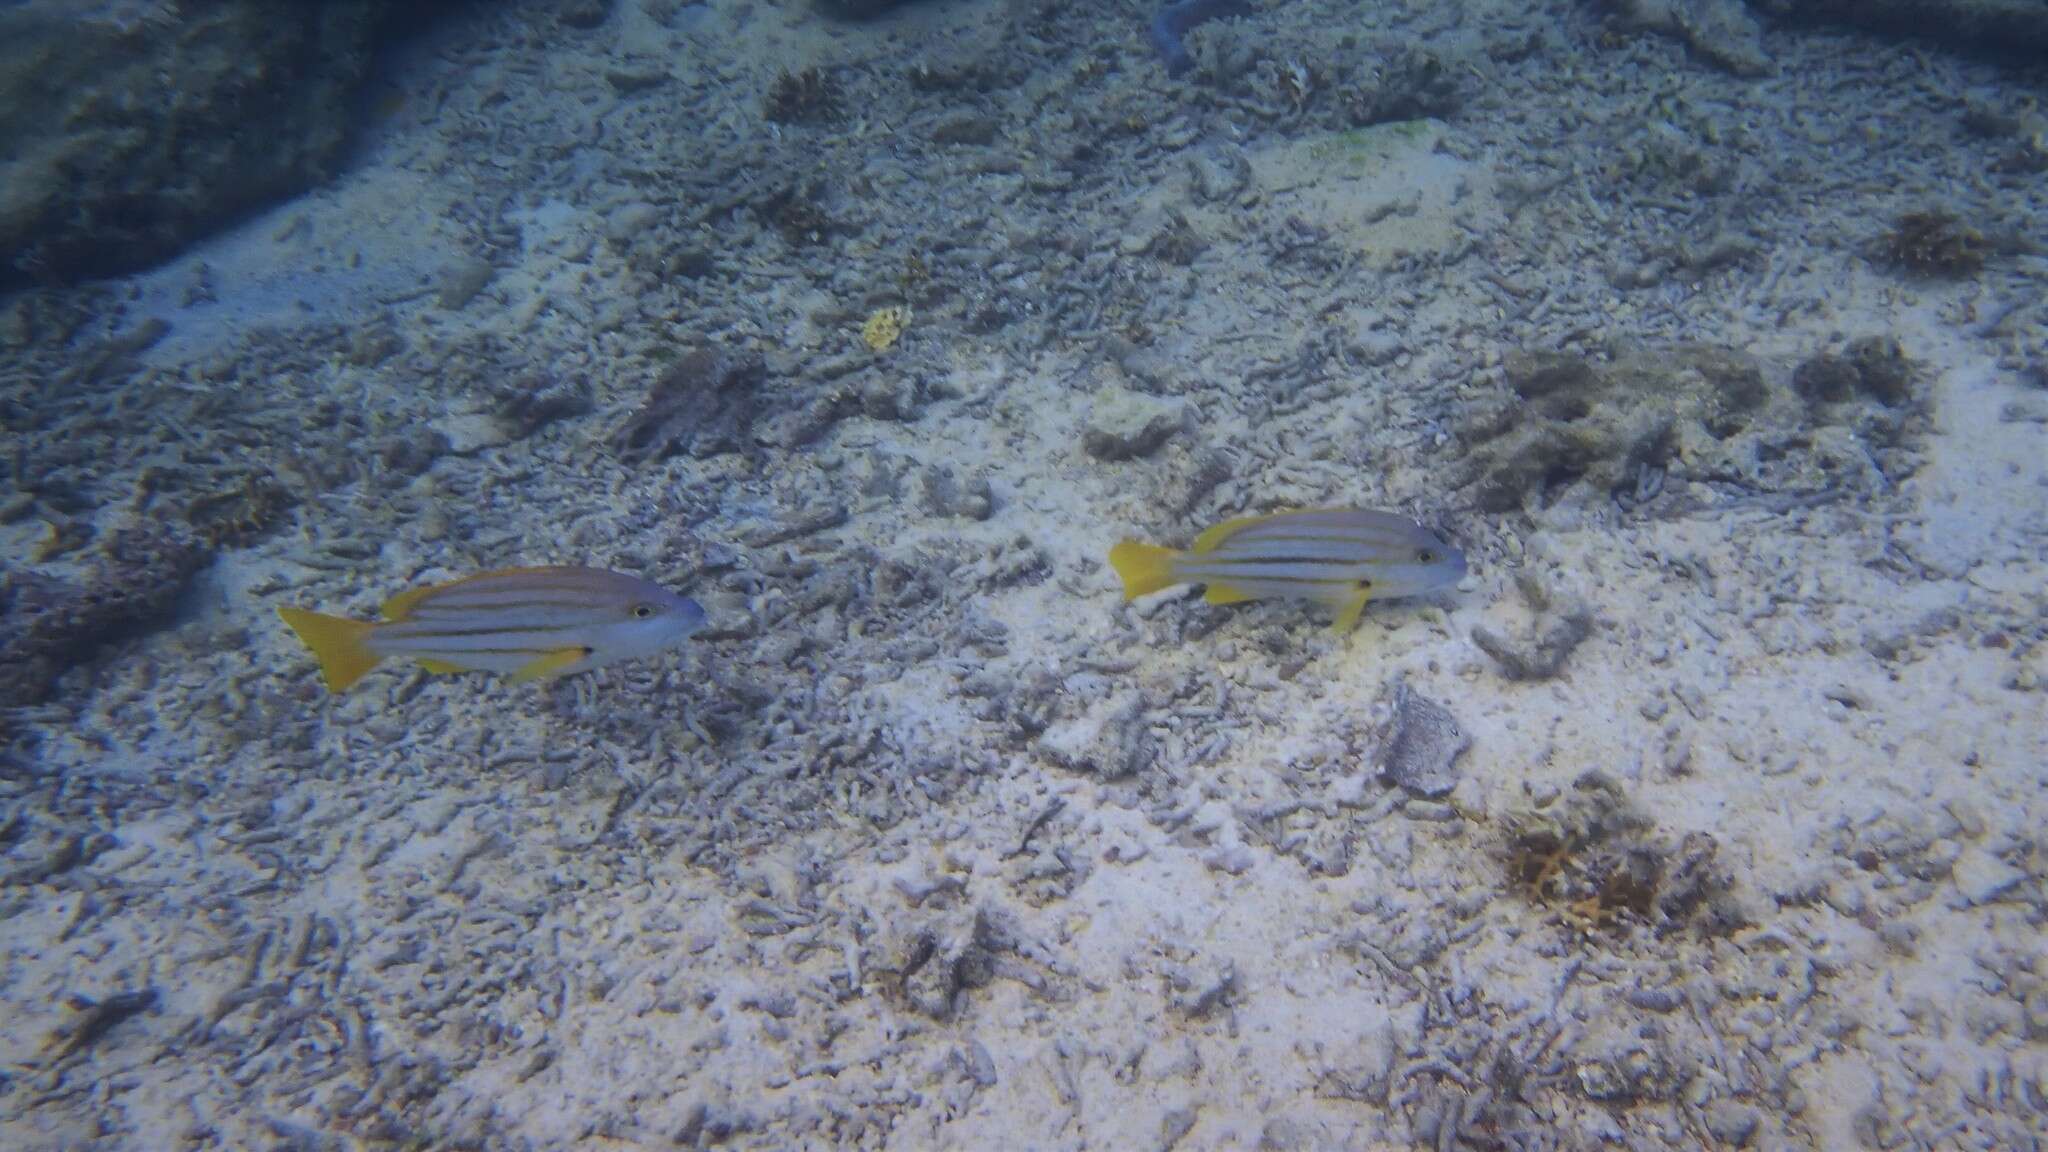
pixel 1425 557
pixel 643 611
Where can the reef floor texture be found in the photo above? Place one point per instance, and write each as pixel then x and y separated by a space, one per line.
pixel 1708 811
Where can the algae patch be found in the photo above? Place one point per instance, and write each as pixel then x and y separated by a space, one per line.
pixel 1360 147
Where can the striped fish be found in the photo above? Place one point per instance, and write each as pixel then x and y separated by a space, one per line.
pixel 527 623
pixel 1336 556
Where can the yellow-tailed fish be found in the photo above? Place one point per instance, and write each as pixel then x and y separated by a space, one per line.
pixel 528 623
pixel 1336 556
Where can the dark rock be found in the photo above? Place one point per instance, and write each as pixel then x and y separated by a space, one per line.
pixel 630 80
pixel 856 9
pixel 966 128
pixel 1882 370
pixel 1874 366
pixel 806 96
pixel 410 452
pixel 534 401
pixel 1826 379
pixel 705 404
pixel 966 70
pixel 943 965
pixel 944 494
pixel 1421 745
pixel 49 626
pixel 2005 29
pixel 1535 375
pixel 105 173
pixel 584 15
pixel 1126 425
pixel 462 280
pixel 1412 86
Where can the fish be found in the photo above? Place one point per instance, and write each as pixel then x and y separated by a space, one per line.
pixel 526 623
pixel 1341 557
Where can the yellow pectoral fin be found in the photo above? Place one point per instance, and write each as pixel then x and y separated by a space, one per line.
pixel 552 664
pixel 1144 568
pixel 1225 594
pixel 1347 617
pixel 340 644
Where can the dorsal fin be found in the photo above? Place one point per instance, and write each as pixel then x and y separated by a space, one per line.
pixel 400 606
pixel 1210 540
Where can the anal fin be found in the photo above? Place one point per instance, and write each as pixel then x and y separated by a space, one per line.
pixel 550 664
pixel 1225 594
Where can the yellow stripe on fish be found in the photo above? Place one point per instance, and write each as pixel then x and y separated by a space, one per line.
pixel 1342 557
pixel 527 623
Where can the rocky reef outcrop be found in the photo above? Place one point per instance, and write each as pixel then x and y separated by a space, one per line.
pixel 130 128
pixel 2012 29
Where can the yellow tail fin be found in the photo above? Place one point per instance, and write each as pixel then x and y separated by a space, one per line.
pixel 340 644
pixel 1144 568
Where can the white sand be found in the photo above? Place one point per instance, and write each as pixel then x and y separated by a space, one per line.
pixel 441 912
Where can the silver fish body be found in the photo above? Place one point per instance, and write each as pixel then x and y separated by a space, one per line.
pixel 1328 555
pixel 1338 556
pixel 504 621
pixel 528 623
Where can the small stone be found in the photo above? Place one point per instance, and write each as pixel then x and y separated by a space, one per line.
pixel 944 494
pixel 585 14
pixel 1125 425
pixel 468 433
pixel 1826 379
pixel 2037 1015
pixel 630 79
pixel 1234 859
pixel 1283 1135
pixel 1422 744
pixel 1174 1127
pixel 462 279
pixel 1983 878
pixel 628 221
pixel 1882 369
pixel 410 452
pixel 981 1067
pixel 967 129
pixel 1656 999
pixel 1732 1123
pixel 1899 937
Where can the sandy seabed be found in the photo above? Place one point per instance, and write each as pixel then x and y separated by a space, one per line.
pixel 930 842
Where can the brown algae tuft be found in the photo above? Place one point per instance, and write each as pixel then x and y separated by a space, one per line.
pixel 806 96
pixel 1933 244
pixel 1600 862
